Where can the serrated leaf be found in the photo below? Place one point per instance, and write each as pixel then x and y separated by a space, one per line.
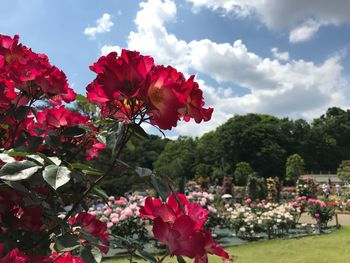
pixel 56 176
pixel 143 172
pixel 67 242
pixel 74 131
pixel 20 170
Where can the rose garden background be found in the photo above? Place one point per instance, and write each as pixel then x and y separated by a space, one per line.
pixel 81 179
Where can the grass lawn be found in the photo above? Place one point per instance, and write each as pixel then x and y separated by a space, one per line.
pixel 327 248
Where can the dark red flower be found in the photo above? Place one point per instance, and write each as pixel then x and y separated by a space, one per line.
pixel 15 256
pixel 179 224
pixel 94 227
pixel 32 72
pixel 65 258
pixel 119 78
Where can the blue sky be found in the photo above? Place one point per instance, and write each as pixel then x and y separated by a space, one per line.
pixel 288 58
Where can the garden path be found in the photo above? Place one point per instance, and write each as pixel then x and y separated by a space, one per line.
pixel 343 219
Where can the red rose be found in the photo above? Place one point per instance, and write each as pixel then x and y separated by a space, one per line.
pixel 179 225
pixel 14 256
pixel 93 226
pixel 65 258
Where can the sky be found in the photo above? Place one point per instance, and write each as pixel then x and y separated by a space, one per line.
pixel 287 58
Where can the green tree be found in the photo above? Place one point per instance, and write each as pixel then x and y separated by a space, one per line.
pixel 177 160
pixel 343 171
pixel 242 172
pixel 294 167
pixel 256 187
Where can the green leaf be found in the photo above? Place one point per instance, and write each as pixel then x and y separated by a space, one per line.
pixel 74 131
pixel 114 135
pixel 21 112
pixel 87 255
pixel 67 242
pixel 18 154
pixel 86 169
pixel 146 256
pixel 81 98
pixel 143 172
pixel 97 190
pixel 180 259
pixel 56 176
pixel 131 146
pixel 34 142
pixel 6 158
pixel 96 254
pixel 17 186
pixel 139 130
pixel 20 170
pixel 161 186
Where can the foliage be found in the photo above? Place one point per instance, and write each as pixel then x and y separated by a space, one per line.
pixel 177 159
pixel 343 171
pixel 306 186
pixel 45 182
pixel 272 190
pixel 252 218
pixel 294 167
pixel 320 211
pixel 242 172
pixel 256 188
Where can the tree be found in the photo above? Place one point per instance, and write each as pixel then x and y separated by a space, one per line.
pixel 343 171
pixel 256 187
pixel 177 160
pixel 242 172
pixel 294 167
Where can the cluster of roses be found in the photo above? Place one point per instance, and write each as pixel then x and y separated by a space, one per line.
pixel 321 211
pixel 18 219
pixel 179 224
pixel 131 86
pixel 27 77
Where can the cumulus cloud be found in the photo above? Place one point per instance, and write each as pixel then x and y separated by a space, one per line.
pixel 279 55
pixel 103 24
pixel 304 32
pixel 275 85
pixel 287 14
pixel 106 49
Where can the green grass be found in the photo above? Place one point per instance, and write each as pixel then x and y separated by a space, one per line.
pixel 327 248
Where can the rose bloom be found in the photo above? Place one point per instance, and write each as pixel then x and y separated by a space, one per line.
pixel 179 225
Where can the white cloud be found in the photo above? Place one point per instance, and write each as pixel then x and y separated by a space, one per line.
pixel 277 85
pixel 287 14
pixel 304 32
pixel 103 24
pixel 106 49
pixel 283 56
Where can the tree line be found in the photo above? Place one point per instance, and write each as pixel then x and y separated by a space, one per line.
pixel 263 144
pixel 248 144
